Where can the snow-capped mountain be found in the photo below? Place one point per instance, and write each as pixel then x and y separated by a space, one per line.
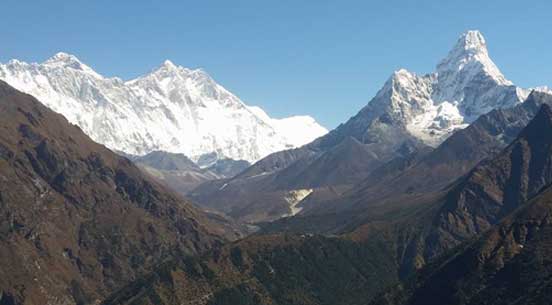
pixel 289 126
pixel 465 85
pixel 172 109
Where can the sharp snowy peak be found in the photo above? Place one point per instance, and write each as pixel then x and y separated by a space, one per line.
pixel 465 85
pixel 172 109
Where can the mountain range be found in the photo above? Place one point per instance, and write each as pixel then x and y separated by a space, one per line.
pixel 410 115
pixel 436 192
pixel 506 264
pixel 171 109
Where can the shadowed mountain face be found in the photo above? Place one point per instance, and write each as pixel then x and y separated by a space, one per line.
pixel 167 161
pixel 76 220
pixel 509 264
pixel 495 188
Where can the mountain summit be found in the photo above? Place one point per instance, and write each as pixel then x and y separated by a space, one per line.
pixel 471 49
pixel 465 85
pixel 65 60
pixel 172 109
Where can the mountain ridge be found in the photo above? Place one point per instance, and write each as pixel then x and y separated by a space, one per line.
pixel 172 108
pixel 77 221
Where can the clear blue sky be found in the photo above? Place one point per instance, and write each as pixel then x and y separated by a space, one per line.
pixel 322 58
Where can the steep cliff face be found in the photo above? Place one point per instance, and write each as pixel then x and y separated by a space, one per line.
pixel 76 220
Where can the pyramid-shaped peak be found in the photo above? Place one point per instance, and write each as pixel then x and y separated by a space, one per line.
pixel 168 64
pixel 170 68
pixel 63 58
pixel 402 73
pixel 471 45
pixel 66 60
pixel 471 41
pixel 468 57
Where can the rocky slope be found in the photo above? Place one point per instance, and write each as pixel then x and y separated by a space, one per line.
pixel 78 221
pixel 495 188
pixel 509 264
pixel 171 109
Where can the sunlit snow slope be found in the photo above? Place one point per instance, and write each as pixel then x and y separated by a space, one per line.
pixel 173 109
pixel 465 85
